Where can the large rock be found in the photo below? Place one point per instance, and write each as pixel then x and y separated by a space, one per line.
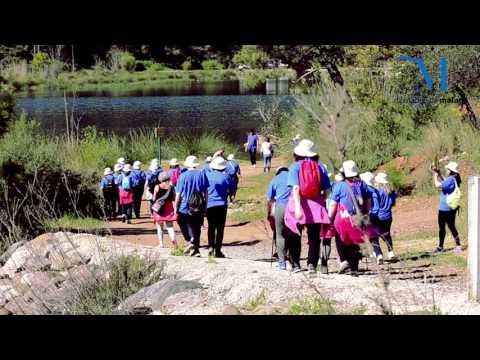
pixel 231 310
pixel 6 255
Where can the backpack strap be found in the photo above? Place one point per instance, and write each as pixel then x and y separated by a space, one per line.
pixel 354 198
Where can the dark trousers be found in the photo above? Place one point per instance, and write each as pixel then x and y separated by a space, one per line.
pixel 313 234
pixel 385 227
pixel 191 226
pixel 447 218
pixel 253 156
pixel 349 253
pixel 235 181
pixel 137 201
pixel 216 216
pixel 109 205
pixel 127 211
pixel 281 231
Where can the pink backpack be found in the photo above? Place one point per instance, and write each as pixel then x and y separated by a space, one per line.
pixel 174 175
pixel 309 179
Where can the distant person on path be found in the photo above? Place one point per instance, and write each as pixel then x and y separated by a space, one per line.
pixel 252 145
pixel 447 214
pixel 348 196
pixel 267 153
pixel 163 208
pixel 152 180
pixel 110 193
pixel 220 152
pixel 277 196
pixel 139 179
pixel 174 171
pixel 220 186
pixel 386 201
pixel 296 140
pixel 125 189
pixel 117 171
pixel 374 233
pixel 306 207
pixel 190 204
pixel 233 170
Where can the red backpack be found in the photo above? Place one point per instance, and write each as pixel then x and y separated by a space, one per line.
pixel 309 179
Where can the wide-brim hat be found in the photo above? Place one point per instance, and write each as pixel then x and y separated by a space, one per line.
pixel 117 167
pixel 191 162
pixel 219 163
pixel 452 166
pixel 350 169
pixel 174 162
pixel 231 157
pixel 305 148
pixel 121 160
pixel 208 159
pixel 367 178
pixel 381 178
pixel 127 168
pixel 280 169
pixel 137 165
pixel 154 161
pixel 107 171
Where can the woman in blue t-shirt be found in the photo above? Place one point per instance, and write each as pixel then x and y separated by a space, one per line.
pixel 446 215
pixel 252 144
pixel 386 201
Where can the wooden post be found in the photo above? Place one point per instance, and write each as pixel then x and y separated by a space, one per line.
pixel 474 237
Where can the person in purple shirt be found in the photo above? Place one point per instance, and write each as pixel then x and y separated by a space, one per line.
pixel 191 181
pixel 446 215
pixel 110 193
pixel 277 195
pixel 252 145
pixel 367 178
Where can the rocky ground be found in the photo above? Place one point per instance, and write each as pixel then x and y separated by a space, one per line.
pixel 38 275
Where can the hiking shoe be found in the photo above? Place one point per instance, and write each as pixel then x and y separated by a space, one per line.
pixel 129 222
pixel 324 269
pixel 124 219
pixel 380 259
pixel 391 255
pixel 281 265
pixel 438 249
pixel 311 269
pixel 211 252
pixel 296 269
pixel 343 267
pixel 219 254
pixel 195 253
pixel 188 249
pixel 458 249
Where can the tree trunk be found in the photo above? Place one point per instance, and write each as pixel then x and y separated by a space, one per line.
pixel 464 102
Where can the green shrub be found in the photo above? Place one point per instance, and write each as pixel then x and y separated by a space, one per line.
pixel 250 55
pixel 7 104
pixel 187 65
pixel 40 60
pixel 212 64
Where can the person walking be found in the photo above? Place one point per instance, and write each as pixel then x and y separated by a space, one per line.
pixel 267 153
pixel 139 179
pixel 125 189
pixel 220 186
pixel 190 204
pixel 449 190
pixel 374 232
pixel 350 202
pixel 386 201
pixel 152 180
pixel 163 208
pixel 117 171
pixel 110 193
pixel 252 144
pixel 121 163
pixel 233 170
pixel 306 207
pixel 174 171
pixel 277 196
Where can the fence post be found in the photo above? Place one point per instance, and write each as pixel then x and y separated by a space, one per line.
pixel 474 237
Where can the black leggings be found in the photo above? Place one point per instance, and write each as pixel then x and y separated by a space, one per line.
pixel 313 234
pixel 447 218
pixel 191 227
pixel 216 217
pixel 350 253
pixel 137 201
pixel 110 204
pixel 253 157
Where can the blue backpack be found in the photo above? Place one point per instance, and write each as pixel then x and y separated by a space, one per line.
pixel 126 183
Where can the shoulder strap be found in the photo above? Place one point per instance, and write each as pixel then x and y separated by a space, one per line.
pixel 354 198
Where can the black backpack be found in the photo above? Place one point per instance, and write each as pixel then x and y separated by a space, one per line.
pixel 152 182
pixel 110 186
pixel 196 203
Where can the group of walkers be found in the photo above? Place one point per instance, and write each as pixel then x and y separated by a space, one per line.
pixel 356 209
pixel 184 195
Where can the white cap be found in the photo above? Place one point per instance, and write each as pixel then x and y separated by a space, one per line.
pixel 367 178
pixel 350 169
pixel 219 163
pixel 231 157
pixel 137 165
pixel 305 148
pixel 191 162
pixel 127 168
pixel 107 171
pixel 452 166
pixel 381 178
pixel 174 162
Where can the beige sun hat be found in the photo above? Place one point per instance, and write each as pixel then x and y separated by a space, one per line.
pixel 305 148
pixel 219 163
pixel 121 160
pixel 137 165
pixel 231 157
pixel 191 162
pixel 339 177
pixel 367 178
pixel 381 178
pixel 117 167
pixel 208 160
pixel 154 161
pixel 127 168
pixel 174 162
pixel 350 169
pixel 452 166
pixel 107 171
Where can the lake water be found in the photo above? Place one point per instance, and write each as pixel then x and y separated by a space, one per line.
pixel 197 108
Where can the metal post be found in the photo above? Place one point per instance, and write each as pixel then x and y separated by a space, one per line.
pixel 474 237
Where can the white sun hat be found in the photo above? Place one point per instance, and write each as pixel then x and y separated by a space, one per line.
pixel 381 178
pixel 305 148
pixel 218 163
pixel 137 165
pixel 191 162
pixel 231 157
pixel 108 171
pixel 154 161
pixel 127 168
pixel 174 162
pixel 297 137
pixel 367 178
pixel 339 177
pixel 121 160
pixel 208 159
pixel 350 169
pixel 452 166
pixel 117 167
